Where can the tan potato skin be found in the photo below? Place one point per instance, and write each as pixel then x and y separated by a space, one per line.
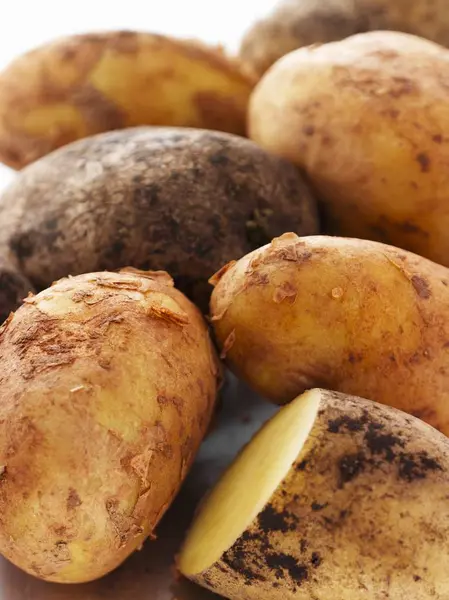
pixel 366 118
pixel 85 84
pixel 362 513
pixel 107 385
pixel 356 316
pixel 297 23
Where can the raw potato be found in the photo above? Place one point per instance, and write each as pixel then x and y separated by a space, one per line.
pixel 107 385
pixel 182 200
pixel 366 118
pixel 349 501
pixel 297 23
pixel 85 84
pixel 356 316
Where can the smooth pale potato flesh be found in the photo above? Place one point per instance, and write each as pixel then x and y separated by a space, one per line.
pixel 366 119
pixel 352 315
pixel 183 200
pixel 85 84
pixel 108 383
pixel 297 23
pixel 335 497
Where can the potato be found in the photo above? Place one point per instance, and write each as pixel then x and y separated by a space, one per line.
pixel 297 23
pixel 85 84
pixel 356 316
pixel 348 502
pixel 181 200
pixel 366 118
pixel 108 383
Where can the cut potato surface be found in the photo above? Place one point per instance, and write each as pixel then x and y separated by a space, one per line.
pixel 249 484
pixel 335 497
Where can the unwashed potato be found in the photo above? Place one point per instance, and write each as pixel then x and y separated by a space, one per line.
pixel 182 200
pixel 297 23
pixel 351 315
pixel 336 497
pixel 107 386
pixel 85 84
pixel 367 119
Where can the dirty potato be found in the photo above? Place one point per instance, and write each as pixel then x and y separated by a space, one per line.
pixel 335 497
pixel 182 200
pixel 85 84
pixel 108 382
pixel 297 23
pixel 352 315
pixel 367 119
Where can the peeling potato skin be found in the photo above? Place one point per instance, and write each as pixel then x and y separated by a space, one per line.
pixel 352 315
pixel 182 200
pixel 346 517
pixel 366 119
pixel 294 24
pixel 107 386
pixel 86 84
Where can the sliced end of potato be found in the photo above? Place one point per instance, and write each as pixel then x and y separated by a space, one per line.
pixel 248 484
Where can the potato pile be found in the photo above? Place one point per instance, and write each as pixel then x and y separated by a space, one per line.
pixel 318 194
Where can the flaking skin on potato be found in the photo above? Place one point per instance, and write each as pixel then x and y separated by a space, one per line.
pixel 81 85
pixel 182 200
pixel 356 316
pixel 335 497
pixel 108 383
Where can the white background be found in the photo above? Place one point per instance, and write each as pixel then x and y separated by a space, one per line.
pixel 25 24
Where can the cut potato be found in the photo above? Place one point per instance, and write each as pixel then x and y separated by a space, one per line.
pixel 335 497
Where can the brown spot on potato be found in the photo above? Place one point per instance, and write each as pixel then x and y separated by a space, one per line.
pixel 424 161
pixel 73 500
pixel 409 227
pixel 438 139
pixel 350 466
pixel 316 559
pixel 279 562
pixel 421 286
pixel 308 130
pixel 271 520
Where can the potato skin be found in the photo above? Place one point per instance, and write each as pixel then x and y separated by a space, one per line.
pixel 344 521
pixel 352 315
pixel 366 119
pixel 294 24
pixel 85 84
pixel 107 385
pixel 183 200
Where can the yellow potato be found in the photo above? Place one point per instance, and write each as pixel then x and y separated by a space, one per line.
pixel 297 23
pixel 335 497
pixel 367 119
pixel 355 316
pixel 108 382
pixel 86 84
